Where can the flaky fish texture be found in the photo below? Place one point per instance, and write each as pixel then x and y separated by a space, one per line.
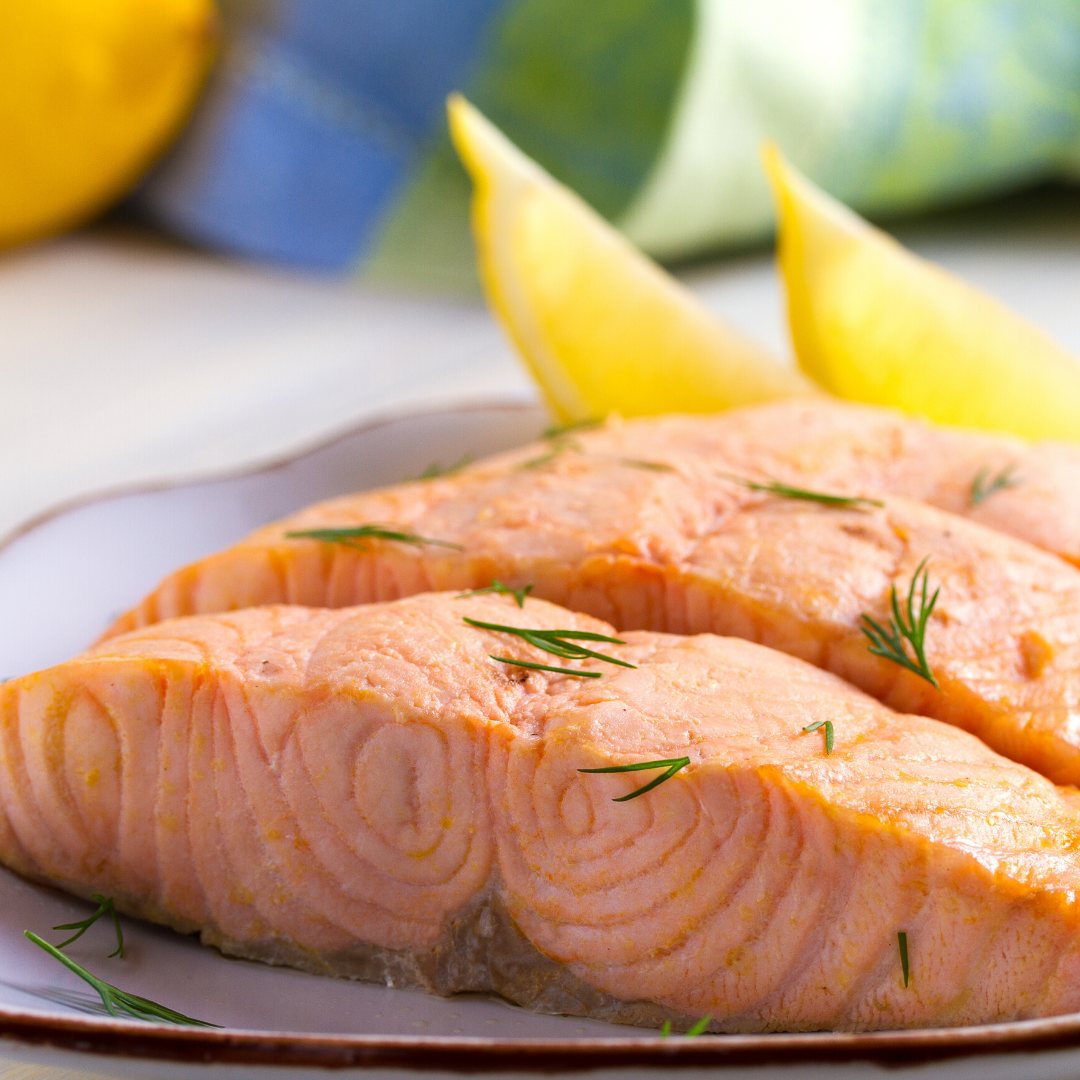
pixel 640 524
pixel 1027 490
pixel 367 792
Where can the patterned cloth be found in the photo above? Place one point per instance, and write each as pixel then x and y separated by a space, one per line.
pixel 321 140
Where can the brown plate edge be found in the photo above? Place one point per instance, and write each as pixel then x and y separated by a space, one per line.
pixel 161 1043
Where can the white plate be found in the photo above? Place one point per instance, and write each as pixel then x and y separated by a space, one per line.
pixel 63 578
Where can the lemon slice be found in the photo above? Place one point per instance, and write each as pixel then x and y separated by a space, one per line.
pixel 91 91
pixel 872 322
pixel 602 327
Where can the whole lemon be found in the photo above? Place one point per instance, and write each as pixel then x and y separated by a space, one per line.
pixel 91 91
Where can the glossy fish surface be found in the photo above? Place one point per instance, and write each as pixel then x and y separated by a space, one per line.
pixel 367 792
pixel 639 525
pixel 1028 490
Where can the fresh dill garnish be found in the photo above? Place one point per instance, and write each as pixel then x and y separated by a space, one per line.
pixel 652 466
pixel 497 586
pixel 774 487
pixel 547 667
pixel 347 537
pixel 699 1027
pixel 889 642
pixel 557 431
pixel 118 1002
pixel 105 907
pixel 557 642
pixel 558 444
pixel 435 470
pixel 543 459
pixel 981 490
pixel 560 438
pixel 828 726
pixel 672 765
pixel 901 937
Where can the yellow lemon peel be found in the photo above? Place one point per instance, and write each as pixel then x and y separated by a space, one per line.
pixel 870 321
pixel 91 91
pixel 601 326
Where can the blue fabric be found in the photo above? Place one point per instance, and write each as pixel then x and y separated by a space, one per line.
pixel 401 57
pixel 311 128
pixel 321 142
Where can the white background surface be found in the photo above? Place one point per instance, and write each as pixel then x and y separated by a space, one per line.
pixel 125 360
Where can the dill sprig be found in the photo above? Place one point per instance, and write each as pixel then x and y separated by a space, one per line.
pixel 672 765
pixel 828 726
pixel 105 907
pixel 548 667
pixel 697 1029
pixel 652 466
pixel 906 625
pixel 556 642
pixel 435 470
pixel 981 490
pixel 785 491
pixel 560 439
pixel 543 459
pixel 901 938
pixel 347 537
pixel 118 1002
pixel 557 431
pixel 497 586
pixel 558 445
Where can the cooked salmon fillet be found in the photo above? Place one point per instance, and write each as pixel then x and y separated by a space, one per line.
pixel 672 545
pixel 366 792
pixel 864 450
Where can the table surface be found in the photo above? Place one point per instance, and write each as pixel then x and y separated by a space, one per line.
pixel 126 359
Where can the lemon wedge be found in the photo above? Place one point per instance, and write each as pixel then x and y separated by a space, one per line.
pixel 601 326
pixel 872 322
pixel 90 93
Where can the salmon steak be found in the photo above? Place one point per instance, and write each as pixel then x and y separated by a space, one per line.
pixel 368 792
pixel 1028 490
pixel 674 543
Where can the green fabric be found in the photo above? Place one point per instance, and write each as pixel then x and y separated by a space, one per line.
pixel 655 111
pixel 894 106
pixel 972 97
pixel 585 88
pixel 427 244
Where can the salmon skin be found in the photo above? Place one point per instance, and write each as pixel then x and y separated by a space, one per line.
pixel 669 542
pixel 365 792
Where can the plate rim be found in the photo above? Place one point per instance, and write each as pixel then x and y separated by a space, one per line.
pixel 108 1037
pixel 117 1038
pixel 269 463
